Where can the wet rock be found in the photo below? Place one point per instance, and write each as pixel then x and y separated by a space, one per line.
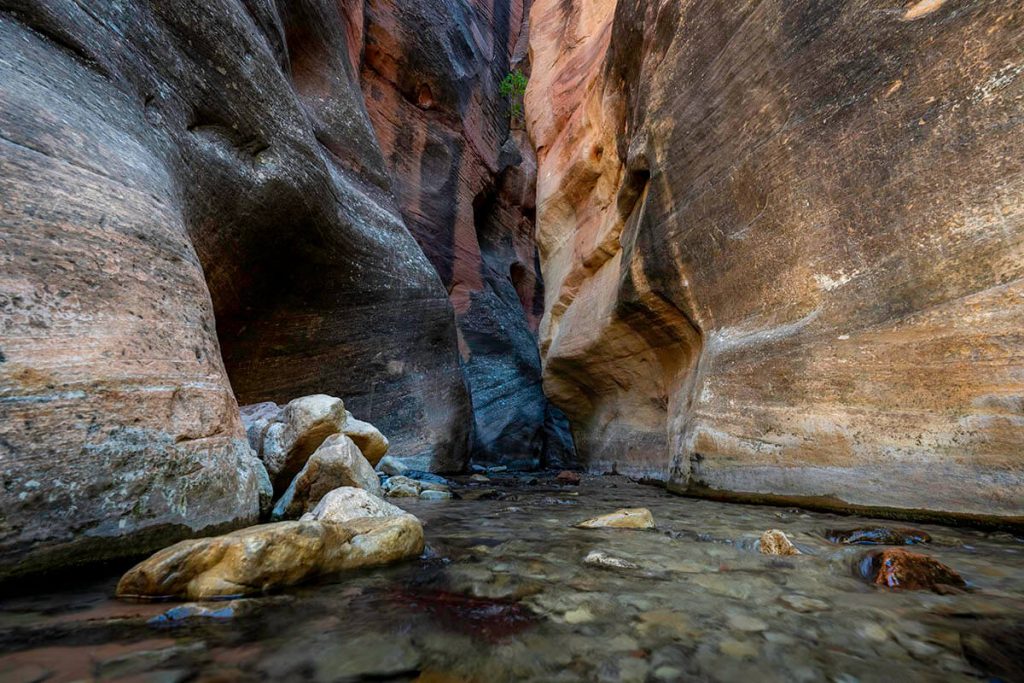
pixel 368 438
pixel 431 494
pixel 367 657
pixel 427 478
pixel 304 425
pixel 406 487
pixel 626 518
pixel 337 463
pixel 271 556
pixel 746 623
pixel 568 477
pixel 898 568
pixel 480 478
pixel 401 487
pixel 597 558
pixel 803 603
pixel 878 536
pixel 775 542
pixel 391 466
pixel 345 504
pixel 192 610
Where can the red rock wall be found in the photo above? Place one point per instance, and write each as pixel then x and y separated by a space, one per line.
pixel 465 184
pixel 782 246
pixel 165 165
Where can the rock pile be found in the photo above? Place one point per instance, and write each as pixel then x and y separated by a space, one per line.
pixel 319 457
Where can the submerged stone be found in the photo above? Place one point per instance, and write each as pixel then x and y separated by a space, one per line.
pixel 898 568
pixel 264 558
pixel 626 518
pixel 597 558
pixel 878 536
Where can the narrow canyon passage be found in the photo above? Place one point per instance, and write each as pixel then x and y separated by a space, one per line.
pixel 511 340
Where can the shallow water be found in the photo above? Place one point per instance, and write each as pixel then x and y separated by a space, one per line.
pixel 503 594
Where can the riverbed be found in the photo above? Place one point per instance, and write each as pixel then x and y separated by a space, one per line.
pixel 503 593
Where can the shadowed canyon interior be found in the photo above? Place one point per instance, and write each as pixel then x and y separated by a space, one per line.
pixel 768 250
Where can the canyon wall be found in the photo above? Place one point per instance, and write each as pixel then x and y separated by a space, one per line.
pixel 782 246
pixel 465 185
pixel 196 211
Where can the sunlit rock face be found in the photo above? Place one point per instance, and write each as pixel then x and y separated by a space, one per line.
pixel 164 165
pixel 466 186
pixel 782 245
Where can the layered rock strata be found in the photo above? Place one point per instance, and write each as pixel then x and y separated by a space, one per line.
pixel 782 246
pixel 194 201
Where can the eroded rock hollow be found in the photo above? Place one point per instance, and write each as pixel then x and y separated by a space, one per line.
pixel 781 244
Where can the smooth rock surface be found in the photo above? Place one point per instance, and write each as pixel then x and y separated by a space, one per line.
pixel 347 503
pixel 783 246
pixel 305 424
pixel 336 463
pixel 196 207
pixel 626 518
pixel 268 557
pixel 371 442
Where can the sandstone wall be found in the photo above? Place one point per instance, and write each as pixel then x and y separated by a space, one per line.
pixel 782 245
pixel 465 184
pixel 164 165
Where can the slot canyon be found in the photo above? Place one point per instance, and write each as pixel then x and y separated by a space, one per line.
pixel 502 340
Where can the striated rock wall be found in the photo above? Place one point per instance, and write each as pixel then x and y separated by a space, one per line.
pixel 193 199
pixel 781 244
pixel 465 185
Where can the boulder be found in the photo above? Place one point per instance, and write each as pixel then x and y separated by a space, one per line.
pixel 338 462
pixel 371 442
pixel 626 518
pixel 902 569
pixel 304 425
pixel 348 503
pixel 402 487
pixel 391 466
pixel 271 556
pixel 257 418
pixel 775 542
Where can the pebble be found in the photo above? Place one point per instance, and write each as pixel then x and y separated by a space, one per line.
pixel 743 622
pixel 599 559
pixel 431 494
pixel 803 603
pixel 580 615
pixel 738 648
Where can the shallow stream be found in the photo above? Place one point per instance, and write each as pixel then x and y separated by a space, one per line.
pixel 503 594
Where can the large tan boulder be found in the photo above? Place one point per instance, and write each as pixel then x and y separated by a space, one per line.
pixel 371 442
pixel 304 425
pixel 338 462
pixel 348 503
pixel 271 556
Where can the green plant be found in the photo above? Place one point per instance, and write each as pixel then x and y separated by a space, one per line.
pixel 513 86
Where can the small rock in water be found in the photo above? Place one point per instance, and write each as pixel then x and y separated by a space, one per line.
pixel 898 568
pixel 746 623
pixel 878 536
pixel 426 478
pixel 568 477
pixel 626 518
pixel 392 466
pixel 599 559
pixel 775 542
pixel 802 603
pixel 193 610
pixel 431 494
pixel 401 487
pixel 347 503
pixel 480 478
